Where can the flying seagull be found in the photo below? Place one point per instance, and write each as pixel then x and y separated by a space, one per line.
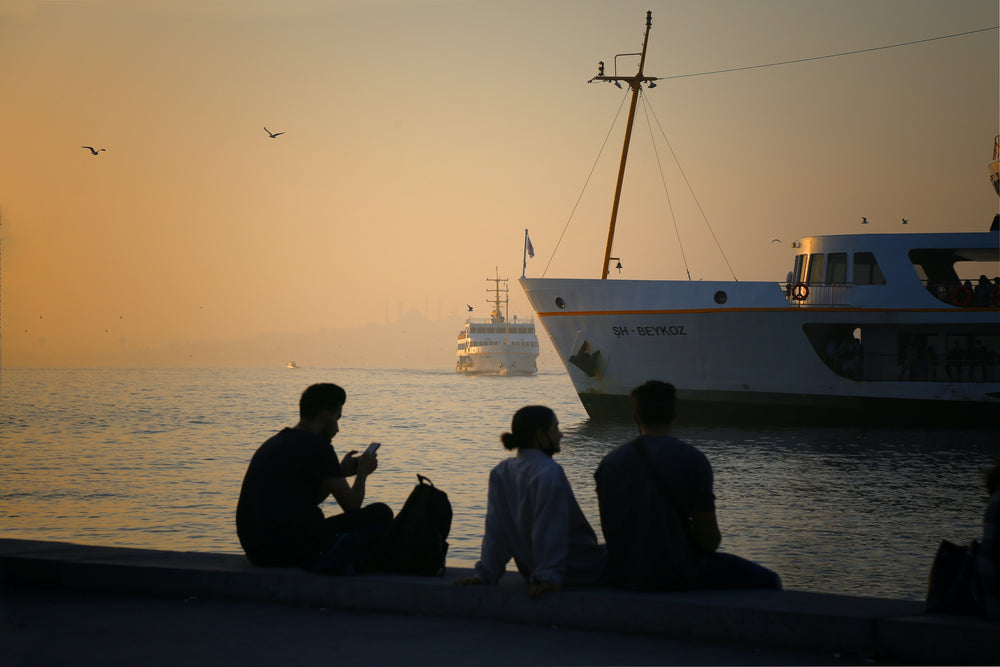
pixel 905 221
pixel 272 134
pixel 775 240
pixel 94 151
pixel 864 221
pixel 469 307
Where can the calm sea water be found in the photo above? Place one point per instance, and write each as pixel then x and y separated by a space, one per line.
pixel 155 457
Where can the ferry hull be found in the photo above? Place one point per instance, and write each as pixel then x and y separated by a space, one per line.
pixel 736 408
pixel 750 359
pixel 498 363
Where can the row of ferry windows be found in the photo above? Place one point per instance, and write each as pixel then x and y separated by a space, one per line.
pixel 487 343
pixel 832 268
pixel 493 329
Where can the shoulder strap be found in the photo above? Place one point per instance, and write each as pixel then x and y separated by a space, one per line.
pixel 661 484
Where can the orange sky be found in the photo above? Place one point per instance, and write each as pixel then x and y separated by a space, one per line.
pixel 422 138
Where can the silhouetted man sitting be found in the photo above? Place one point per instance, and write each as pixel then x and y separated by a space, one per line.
pixel 658 509
pixel 278 518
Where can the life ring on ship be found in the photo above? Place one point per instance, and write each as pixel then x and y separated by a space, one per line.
pixel 800 292
pixel 995 296
pixel 961 296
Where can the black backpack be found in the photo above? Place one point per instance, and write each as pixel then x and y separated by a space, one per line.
pixel 416 541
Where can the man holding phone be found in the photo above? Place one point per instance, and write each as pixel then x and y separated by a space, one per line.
pixel 278 517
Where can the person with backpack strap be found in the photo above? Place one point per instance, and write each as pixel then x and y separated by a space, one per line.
pixel 532 515
pixel 657 509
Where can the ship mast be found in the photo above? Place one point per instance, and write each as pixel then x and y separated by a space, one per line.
pixel 506 303
pixel 634 82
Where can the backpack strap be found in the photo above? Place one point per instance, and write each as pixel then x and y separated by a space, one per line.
pixel 661 485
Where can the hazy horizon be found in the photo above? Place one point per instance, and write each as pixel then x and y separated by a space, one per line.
pixel 411 340
pixel 420 138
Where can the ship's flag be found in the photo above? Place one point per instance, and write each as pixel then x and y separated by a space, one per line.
pixel 531 249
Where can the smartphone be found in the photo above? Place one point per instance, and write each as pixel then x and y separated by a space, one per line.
pixel 372 448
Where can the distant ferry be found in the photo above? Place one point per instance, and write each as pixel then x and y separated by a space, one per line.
pixel 497 346
pixel 900 329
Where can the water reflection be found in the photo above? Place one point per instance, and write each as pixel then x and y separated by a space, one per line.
pixel 155 458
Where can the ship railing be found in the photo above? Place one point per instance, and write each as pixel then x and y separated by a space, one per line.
pixel 489 320
pixel 893 368
pixel 812 294
pixel 967 294
pixel 485 345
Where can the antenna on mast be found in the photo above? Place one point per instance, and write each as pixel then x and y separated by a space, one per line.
pixel 500 316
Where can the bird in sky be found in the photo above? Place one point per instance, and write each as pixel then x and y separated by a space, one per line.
pixel 864 221
pixel 469 307
pixel 775 240
pixel 94 151
pixel 905 221
pixel 271 134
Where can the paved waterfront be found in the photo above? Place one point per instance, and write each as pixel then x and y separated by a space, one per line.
pixel 102 605
pixel 46 627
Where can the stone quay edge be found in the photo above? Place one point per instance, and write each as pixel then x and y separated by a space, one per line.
pixel 887 628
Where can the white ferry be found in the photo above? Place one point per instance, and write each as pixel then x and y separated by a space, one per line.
pixel 497 346
pixel 900 329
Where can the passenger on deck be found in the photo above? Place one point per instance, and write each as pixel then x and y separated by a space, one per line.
pixel 965 295
pixel 981 295
pixel 658 509
pixel 532 515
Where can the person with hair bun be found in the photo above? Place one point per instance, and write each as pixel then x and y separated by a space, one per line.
pixel 532 515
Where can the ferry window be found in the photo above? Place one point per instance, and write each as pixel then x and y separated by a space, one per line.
pixel 866 271
pixel 815 269
pixel 836 268
pixel 800 264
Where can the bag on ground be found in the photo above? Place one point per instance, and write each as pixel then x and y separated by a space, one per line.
pixel 417 540
pixel 951 588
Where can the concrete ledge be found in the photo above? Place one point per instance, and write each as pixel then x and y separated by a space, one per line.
pixel 941 639
pixel 851 625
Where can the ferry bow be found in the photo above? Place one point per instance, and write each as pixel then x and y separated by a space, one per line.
pixel 900 329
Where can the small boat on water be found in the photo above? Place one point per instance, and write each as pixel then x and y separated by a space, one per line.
pixel 497 345
pixel 291 365
pixel 895 329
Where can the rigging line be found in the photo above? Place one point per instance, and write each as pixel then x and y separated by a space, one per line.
pixel 584 189
pixel 693 195
pixel 670 205
pixel 831 55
